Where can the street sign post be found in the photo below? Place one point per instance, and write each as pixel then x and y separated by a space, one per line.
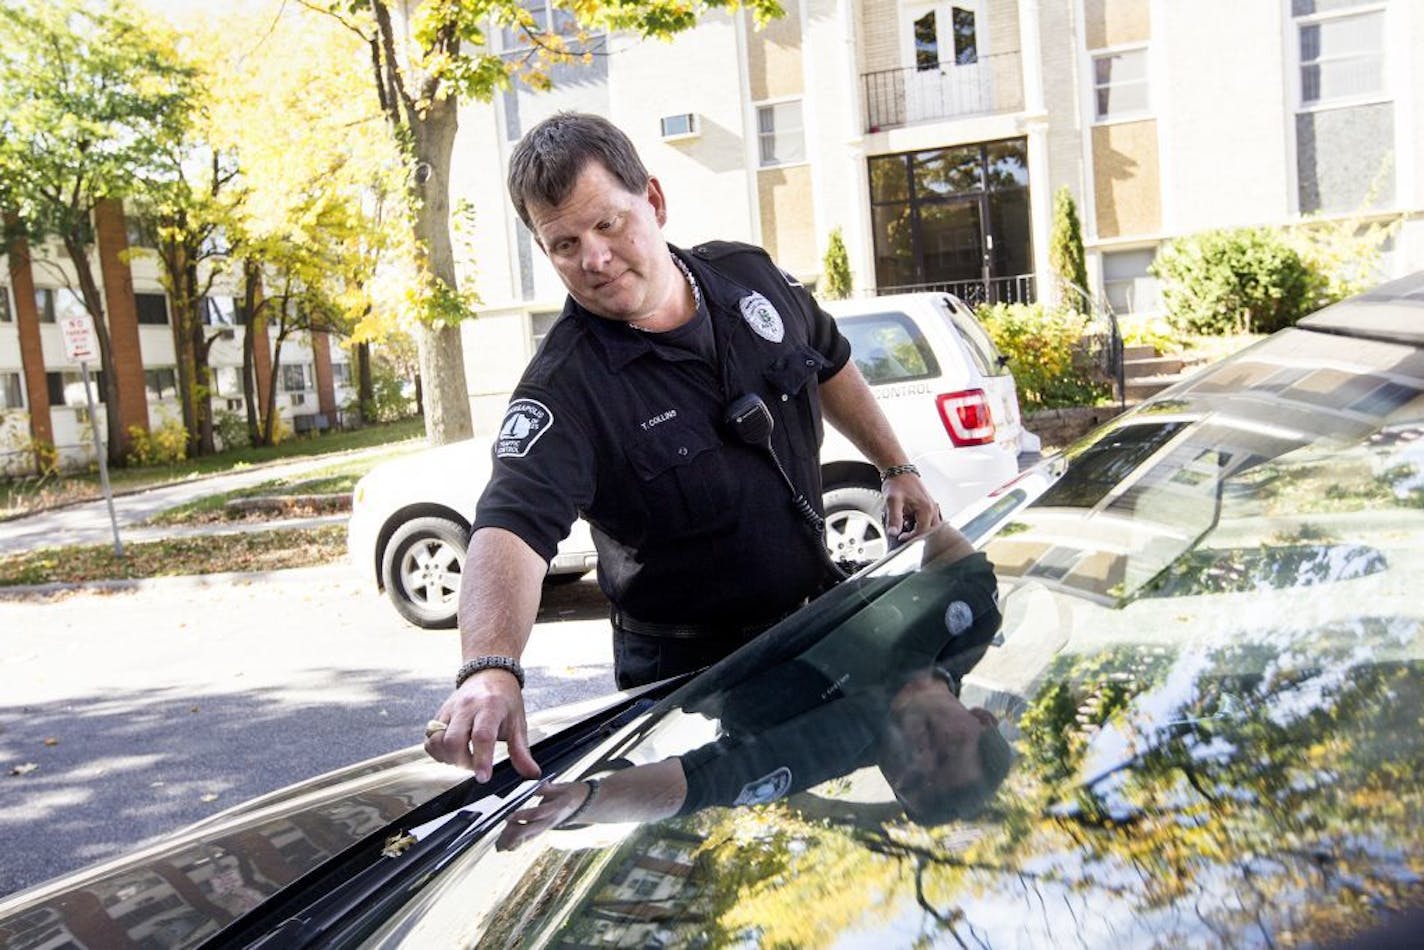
pixel 81 345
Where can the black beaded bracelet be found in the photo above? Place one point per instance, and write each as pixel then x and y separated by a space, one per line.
pixel 507 663
pixel 892 471
pixel 593 785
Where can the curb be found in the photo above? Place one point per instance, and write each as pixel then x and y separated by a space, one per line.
pixel 341 570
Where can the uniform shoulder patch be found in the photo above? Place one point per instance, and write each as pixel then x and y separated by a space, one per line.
pixel 766 789
pixel 525 421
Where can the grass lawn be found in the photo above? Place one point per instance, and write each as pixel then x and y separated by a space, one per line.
pixel 25 495
pixel 336 479
pixel 246 551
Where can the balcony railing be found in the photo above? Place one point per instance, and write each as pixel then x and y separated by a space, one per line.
pixel 1018 289
pixel 895 97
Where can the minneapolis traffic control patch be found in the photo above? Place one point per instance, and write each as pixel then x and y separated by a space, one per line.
pixel 524 422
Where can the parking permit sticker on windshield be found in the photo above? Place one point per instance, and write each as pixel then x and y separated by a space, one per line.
pixel 524 422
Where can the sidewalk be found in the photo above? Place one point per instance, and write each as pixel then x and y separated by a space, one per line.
pixel 88 522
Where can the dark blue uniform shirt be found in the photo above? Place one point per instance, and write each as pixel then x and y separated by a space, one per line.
pixel 691 526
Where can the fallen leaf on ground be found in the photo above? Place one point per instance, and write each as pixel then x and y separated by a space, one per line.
pixel 210 797
pixel 25 769
pixel 51 740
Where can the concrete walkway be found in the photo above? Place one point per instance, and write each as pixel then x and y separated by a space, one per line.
pixel 88 522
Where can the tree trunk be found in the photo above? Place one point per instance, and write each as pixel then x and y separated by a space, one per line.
pixel 365 386
pixel 175 257
pixel 94 302
pixel 442 356
pixel 256 317
pixel 203 387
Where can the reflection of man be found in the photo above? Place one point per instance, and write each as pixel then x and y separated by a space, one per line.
pixel 620 418
pixel 877 686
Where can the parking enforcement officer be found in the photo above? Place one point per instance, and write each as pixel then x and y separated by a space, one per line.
pixel 646 411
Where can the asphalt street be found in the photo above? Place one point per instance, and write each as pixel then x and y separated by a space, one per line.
pixel 127 714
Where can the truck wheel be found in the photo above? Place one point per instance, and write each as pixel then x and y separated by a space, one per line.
pixel 421 570
pixel 855 526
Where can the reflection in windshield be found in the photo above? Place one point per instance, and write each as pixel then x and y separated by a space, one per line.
pixel 870 678
pixel 1208 668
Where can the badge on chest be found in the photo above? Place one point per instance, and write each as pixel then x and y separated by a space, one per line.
pixel 762 317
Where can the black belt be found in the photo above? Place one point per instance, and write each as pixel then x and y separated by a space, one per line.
pixel 690 631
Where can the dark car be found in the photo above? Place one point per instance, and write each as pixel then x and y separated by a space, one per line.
pixel 1174 698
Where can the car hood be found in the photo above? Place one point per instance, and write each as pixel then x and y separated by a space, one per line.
pixel 185 888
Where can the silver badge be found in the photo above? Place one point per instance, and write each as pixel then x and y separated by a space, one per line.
pixel 959 617
pixel 766 789
pixel 524 422
pixel 762 317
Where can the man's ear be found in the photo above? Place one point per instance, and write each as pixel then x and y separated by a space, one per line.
pixel 657 200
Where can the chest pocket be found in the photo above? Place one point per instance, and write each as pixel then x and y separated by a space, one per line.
pixel 789 374
pixel 686 478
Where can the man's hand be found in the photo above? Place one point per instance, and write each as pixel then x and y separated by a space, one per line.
pixel 556 804
pixel 487 707
pixel 909 510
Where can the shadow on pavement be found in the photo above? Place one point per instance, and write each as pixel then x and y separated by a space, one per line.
pixel 131 765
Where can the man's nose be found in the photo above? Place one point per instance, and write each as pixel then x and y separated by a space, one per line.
pixel 596 254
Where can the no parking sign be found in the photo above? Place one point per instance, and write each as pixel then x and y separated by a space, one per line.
pixel 81 343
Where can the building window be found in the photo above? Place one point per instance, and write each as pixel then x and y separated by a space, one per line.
pixel 297 377
pixel 779 134
pixel 12 396
pixel 228 380
pixel 55 302
pixel 953 219
pixel 341 374
pixel 160 383
pixel 140 230
pixel 152 309
pixel 1127 285
pixel 1341 57
pixel 539 326
pixel 67 388
pixel 940 28
pixel 6 314
pixel 220 311
pixel 1120 84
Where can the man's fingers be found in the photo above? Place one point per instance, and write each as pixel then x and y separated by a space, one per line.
pixel 894 513
pixel 518 744
pixel 483 735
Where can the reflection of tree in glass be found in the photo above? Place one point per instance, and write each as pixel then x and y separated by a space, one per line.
pixel 1273 566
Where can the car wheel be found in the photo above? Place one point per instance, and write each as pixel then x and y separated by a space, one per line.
pixel 421 571
pixel 855 525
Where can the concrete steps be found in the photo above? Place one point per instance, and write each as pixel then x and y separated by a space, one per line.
pixel 1146 373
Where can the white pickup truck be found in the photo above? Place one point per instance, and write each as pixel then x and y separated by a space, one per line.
pixel 941 382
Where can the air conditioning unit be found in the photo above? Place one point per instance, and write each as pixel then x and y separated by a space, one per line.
pixel 299 399
pixel 675 128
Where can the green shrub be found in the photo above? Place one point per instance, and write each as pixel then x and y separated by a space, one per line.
pixel 836 285
pixel 1065 248
pixel 162 446
pixel 232 430
pixel 1046 355
pixel 1241 280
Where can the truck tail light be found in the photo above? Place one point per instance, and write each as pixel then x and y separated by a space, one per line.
pixel 966 417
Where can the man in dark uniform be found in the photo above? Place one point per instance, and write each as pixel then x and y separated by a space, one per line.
pixel 703 540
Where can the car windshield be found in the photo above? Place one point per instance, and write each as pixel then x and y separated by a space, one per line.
pixel 1206 682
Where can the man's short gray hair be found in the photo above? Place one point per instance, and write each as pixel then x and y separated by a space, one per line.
pixel 548 160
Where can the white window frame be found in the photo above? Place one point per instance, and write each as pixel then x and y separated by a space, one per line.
pixel 19 388
pixel 307 377
pixel 7 305
pixel 1298 65
pixel 1135 115
pixel 944 29
pixel 757 107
